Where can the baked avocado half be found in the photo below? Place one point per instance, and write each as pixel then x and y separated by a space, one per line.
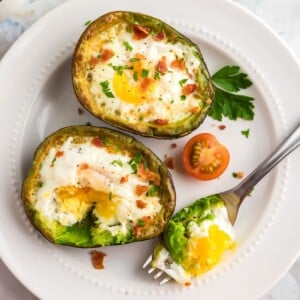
pixel 90 186
pixel 139 74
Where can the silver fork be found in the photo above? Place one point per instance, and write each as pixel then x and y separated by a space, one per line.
pixel 234 197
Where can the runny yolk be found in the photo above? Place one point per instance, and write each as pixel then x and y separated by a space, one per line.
pixel 205 252
pixel 79 200
pixel 134 86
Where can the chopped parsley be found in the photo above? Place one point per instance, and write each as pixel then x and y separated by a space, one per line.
pixel 140 223
pixel 160 99
pixel 53 161
pixel 152 191
pixel 234 174
pixel 182 81
pixel 40 184
pixel 156 75
pixel 245 132
pixel 120 69
pixel 106 90
pixel 127 46
pixel 145 73
pixel 227 103
pixel 182 97
pixel 135 76
pixel 117 162
pixel 110 196
pixel 135 160
pixel 134 59
pixel 88 22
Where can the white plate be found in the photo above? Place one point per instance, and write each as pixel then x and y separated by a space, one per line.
pixel 37 98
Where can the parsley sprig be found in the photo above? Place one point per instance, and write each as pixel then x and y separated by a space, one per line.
pixel 227 103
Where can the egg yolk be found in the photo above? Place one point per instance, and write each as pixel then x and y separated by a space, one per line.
pixel 79 200
pixel 134 86
pixel 205 252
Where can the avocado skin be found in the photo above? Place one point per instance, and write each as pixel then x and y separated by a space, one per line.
pixel 170 131
pixel 175 237
pixel 85 234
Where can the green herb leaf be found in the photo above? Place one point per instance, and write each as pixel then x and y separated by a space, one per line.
pixel 119 69
pixel 106 90
pixel 232 106
pixel 134 59
pixel 230 79
pixel 182 81
pixel 156 75
pixel 245 132
pixel 145 73
pixel 110 196
pixel 128 46
pixel 160 99
pixel 234 174
pixel 117 162
pixel 135 76
pixel 87 22
pixel 152 191
pixel 135 160
pixel 140 223
pixel 182 97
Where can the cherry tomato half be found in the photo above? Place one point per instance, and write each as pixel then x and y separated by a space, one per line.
pixel 204 157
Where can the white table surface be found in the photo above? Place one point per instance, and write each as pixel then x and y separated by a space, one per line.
pixel 283 16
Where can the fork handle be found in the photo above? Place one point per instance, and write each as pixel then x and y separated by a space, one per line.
pixel 290 143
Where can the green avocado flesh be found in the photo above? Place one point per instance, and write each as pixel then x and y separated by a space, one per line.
pixel 88 206
pixel 141 75
pixel 175 237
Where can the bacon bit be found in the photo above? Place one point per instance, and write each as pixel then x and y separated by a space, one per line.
pixel 84 166
pixel 86 189
pixel 80 111
pixel 194 109
pixel 146 82
pixel 137 228
pixel 169 161
pixel 140 56
pixel 239 175
pixel 148 175
pixel 189 89
pixel 161 121
pixel 140 204
pixel 159 36
pixel 221 127
pixel 140 189
pixel 97 259
pixel 162 65
pixel 124 179
pixel 178 64
pixel 107 54
pixel 208 101
pixel 173 145
pixel 187 283
pixel 97 142
pixel 140 32
pixel 59 154
pixel 94 61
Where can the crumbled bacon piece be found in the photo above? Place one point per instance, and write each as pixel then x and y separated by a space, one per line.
pixel 194 109
pixel 161 121
pixel 124 179
pixel 140 204
pixel 86 189
pixel 97 142
pixel 140 189
pixel 187 283
pixel 189 89
pixel 59 154
pixel 178 64
pixel 138 227
pixel 84 166
pixel 94 61
pixel 148 175
pixel 173 145
pixel 162 65
pixel 146 82
pixel 169 161
pixel 159 36
pixel 80 111
pixel 140 32
pixel 97 259
pixel 107 54
pixel 221 127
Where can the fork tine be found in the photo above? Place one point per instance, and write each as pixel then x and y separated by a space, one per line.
pixel 151 270
pixel 147 262
pixel 165 280
pixel 158 274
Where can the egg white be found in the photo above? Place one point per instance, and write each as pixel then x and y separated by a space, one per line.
pixel 167 88
pixel 102 175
